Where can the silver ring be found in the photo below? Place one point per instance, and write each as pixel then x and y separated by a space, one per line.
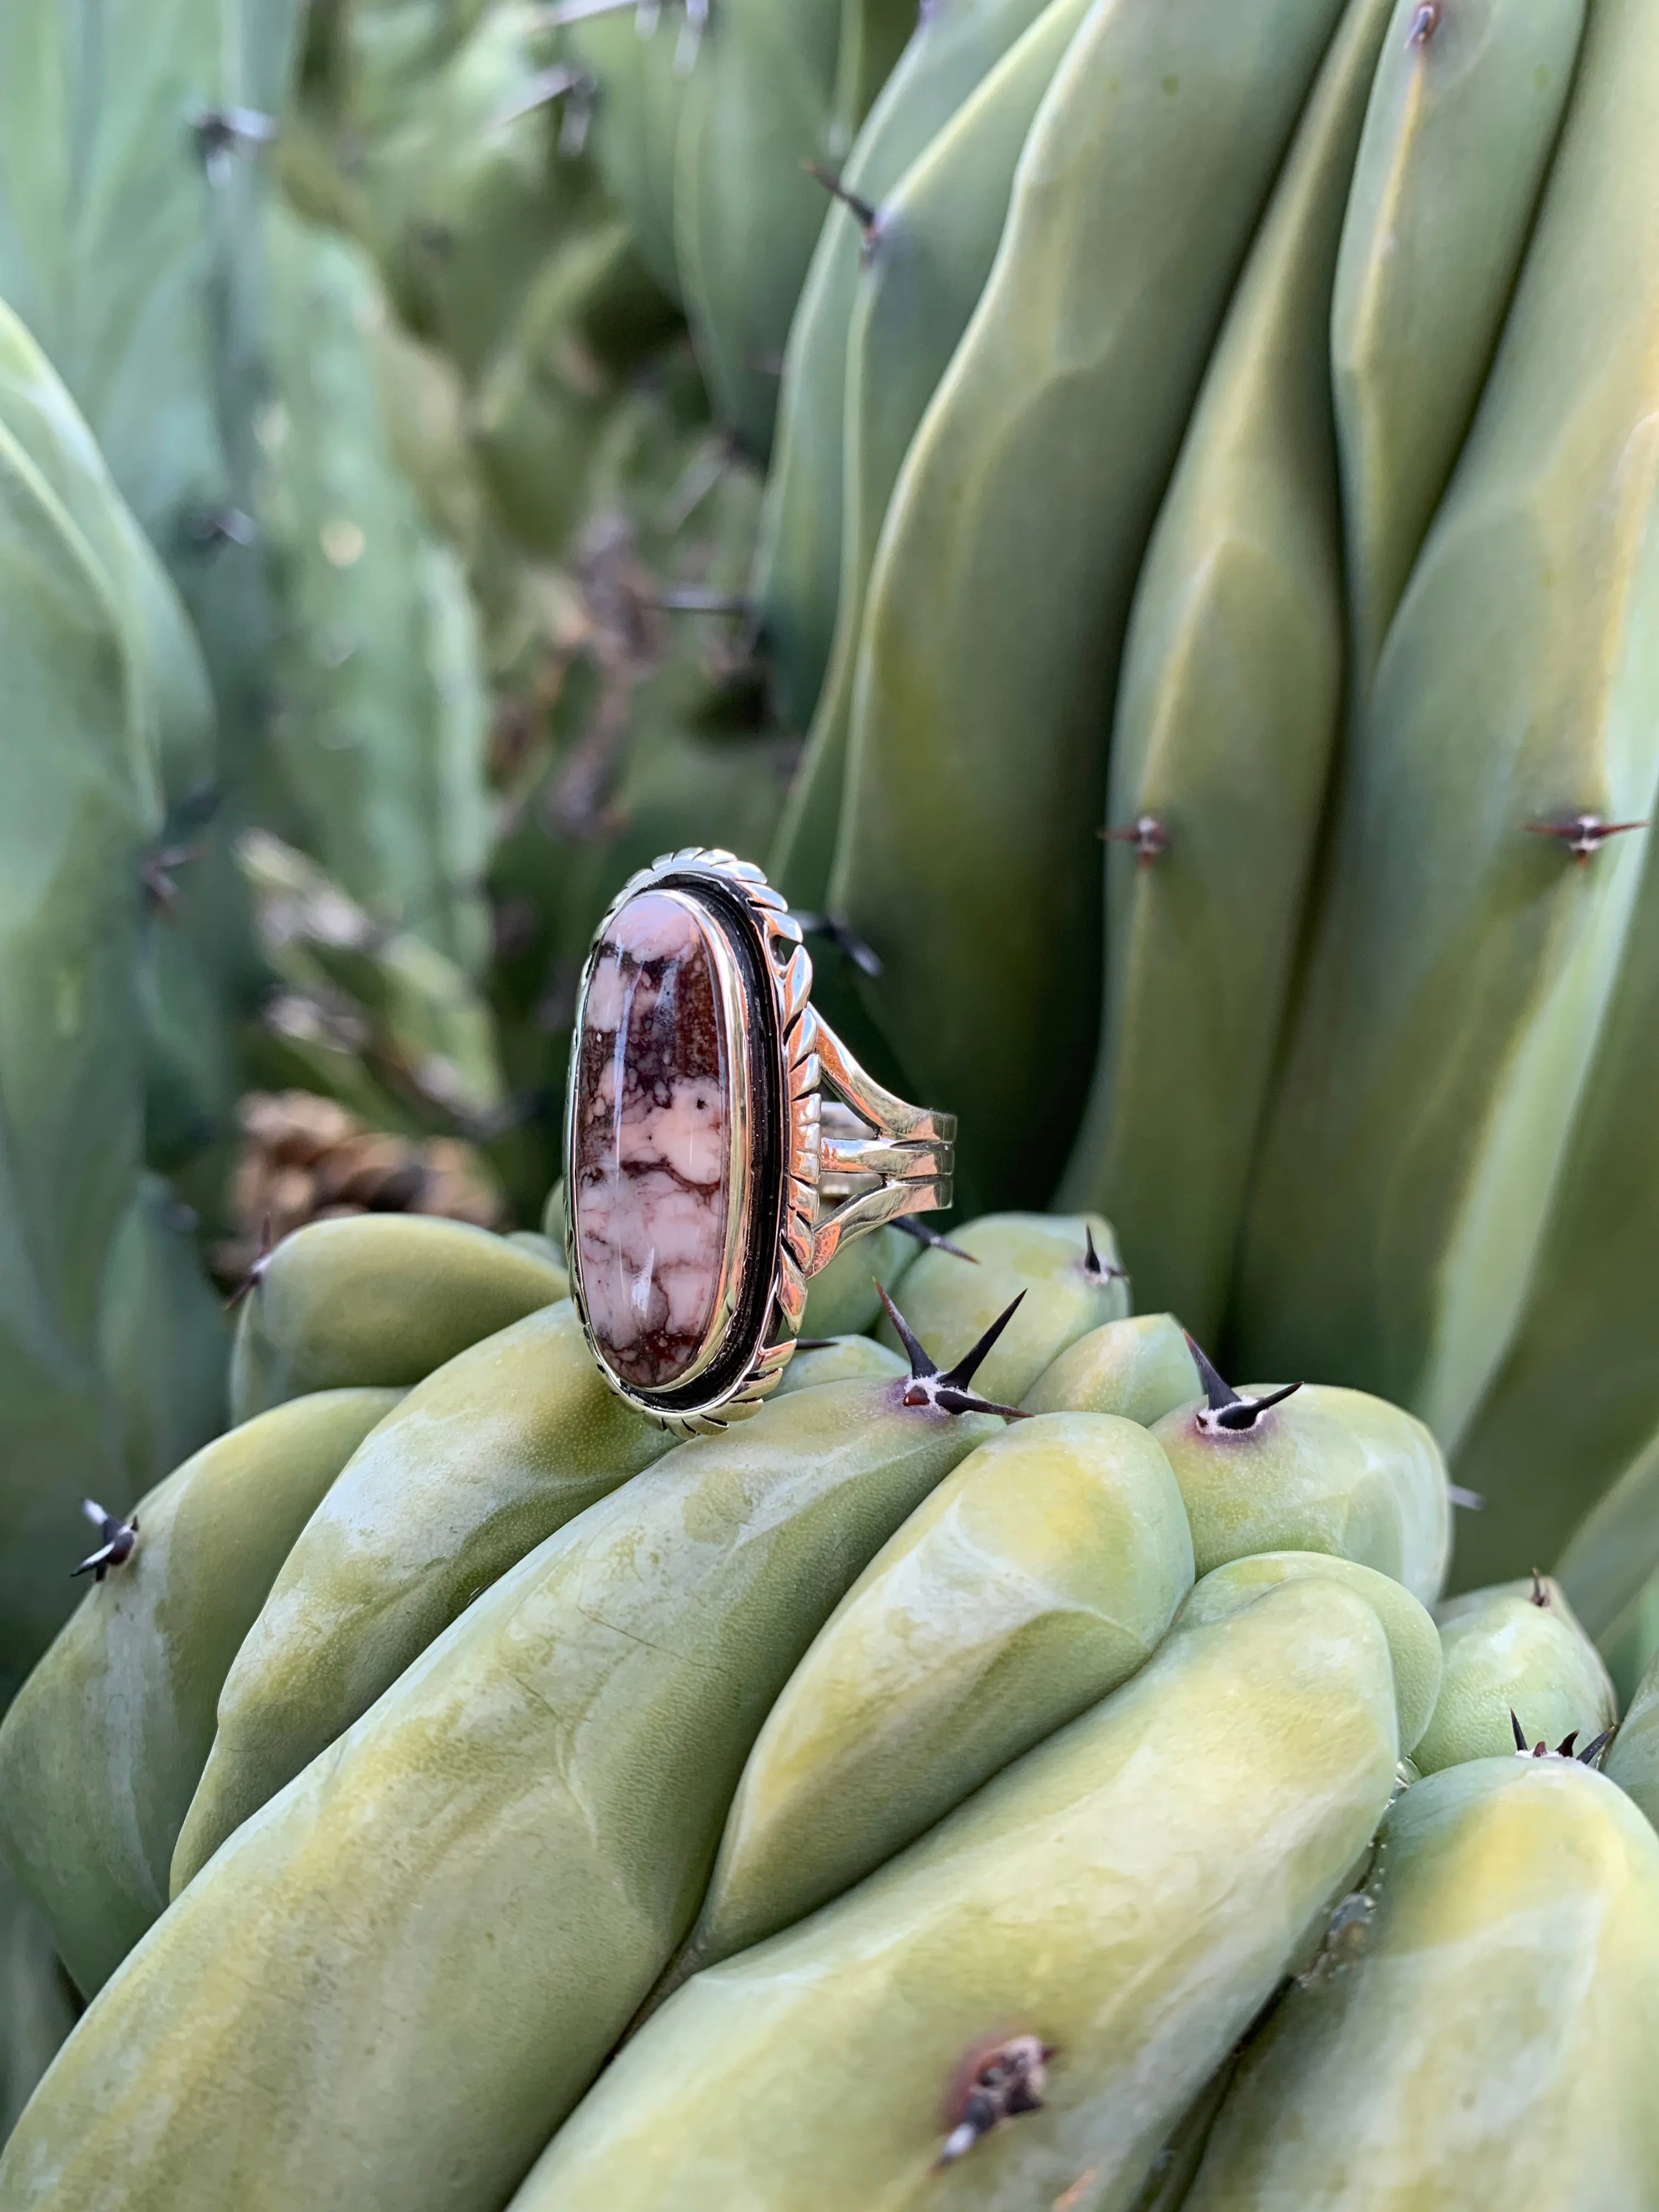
pixel 710 1175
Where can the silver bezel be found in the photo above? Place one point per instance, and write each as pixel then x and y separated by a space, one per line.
pixel 875 1157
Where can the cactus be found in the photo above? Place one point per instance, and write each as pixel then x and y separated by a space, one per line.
pixel 798 560
pixel 1452 938
pixel 525 1806
pixel 1226 721
pixel 1519 1670
pixel 925 253
pixel 38 2006
pixel 104 1747
pixel 84 816
pixel 780 1515
pixel 1055 424
pixel 1461 124
pixel 1041 1574
pixel 361 1594
pixel 377 747
pixel 1038 1914
pixel 1474 2034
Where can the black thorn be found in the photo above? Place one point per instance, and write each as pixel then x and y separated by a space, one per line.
pixel 1219 1394
pixel 971 1361
pixel 1424 23
pixel 1246 1414
pixel 1146 833
pixel 844 937
pixel 1246 1417
pixel 1540 1595
pixel 1582 834
pixel 866 214
pixel 1564 1749
pixel 920 1364
pixel 965 1401
pixel 1521 1743
pixel 1094 1265
pixel 255 1274
pixel 814 1343
pixel 1596 1747
pixel 911 1227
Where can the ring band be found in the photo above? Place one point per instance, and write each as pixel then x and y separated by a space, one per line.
pixel 709 1176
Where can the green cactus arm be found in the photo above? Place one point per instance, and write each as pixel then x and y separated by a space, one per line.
pixel 1255 1756
pixel 799 561
pixel 1472 2033
pixel 1065 1266
pixel 540 1797
pixel 495 1450
pixel 1039 1575
pixel 1002 584
pixel 756 113
pixel 80 806
pixel 1227 718
pixel 919 278
pixel 376 1299
pixel 1463 121
pixel 102 1749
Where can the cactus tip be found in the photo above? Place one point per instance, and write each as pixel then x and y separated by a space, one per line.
pixel 1540 1596
pixel 1426 22
pixel 1590 1756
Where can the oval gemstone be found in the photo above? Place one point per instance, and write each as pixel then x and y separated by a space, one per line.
pixel 651 1139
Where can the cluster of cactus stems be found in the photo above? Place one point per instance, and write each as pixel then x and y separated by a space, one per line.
pixel 1142 519
pixel 1071 1778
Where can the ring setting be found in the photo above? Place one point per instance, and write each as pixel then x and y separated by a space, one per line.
pixel 722 1144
